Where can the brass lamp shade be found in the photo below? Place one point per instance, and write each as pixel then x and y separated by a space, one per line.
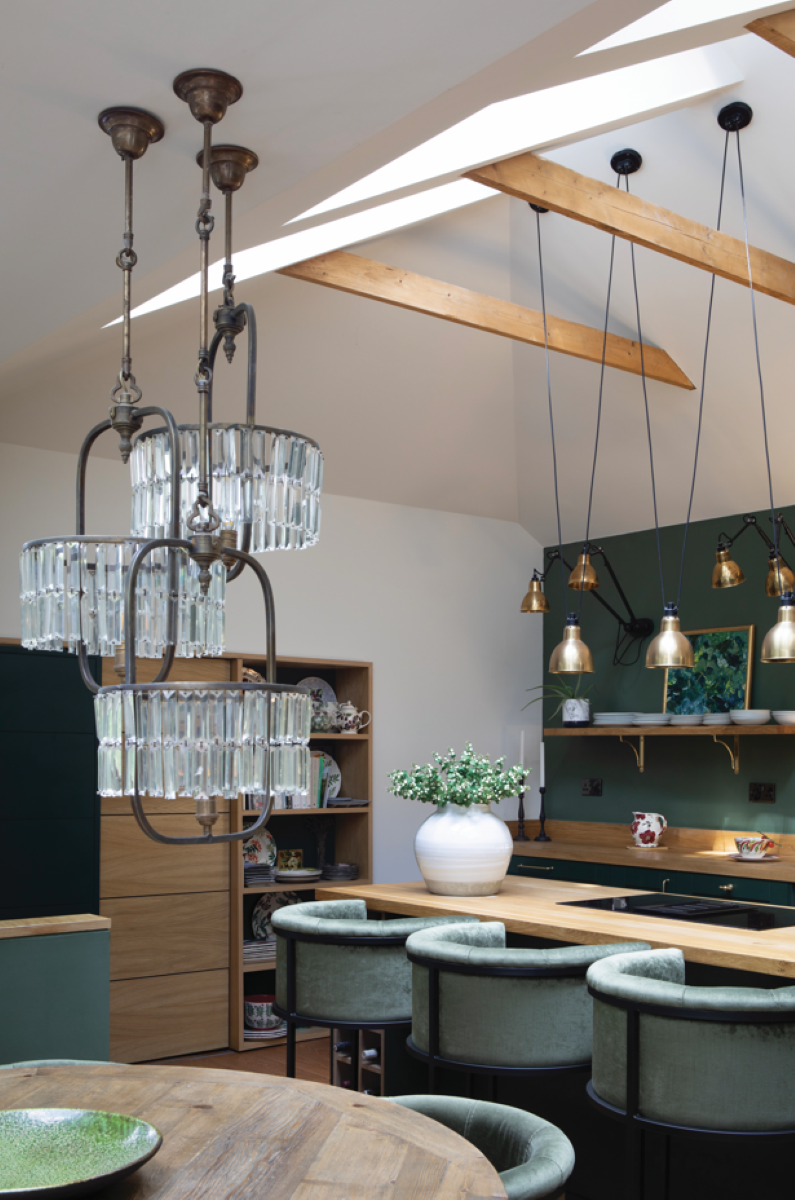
pixel 670 648
pixel 779 643
pixel 571 656
pixel 535 600
pixel 584 578
pixel 775 570
pixel 726 573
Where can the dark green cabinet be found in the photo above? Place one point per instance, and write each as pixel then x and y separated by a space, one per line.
pixel 688 883
pixel 49 808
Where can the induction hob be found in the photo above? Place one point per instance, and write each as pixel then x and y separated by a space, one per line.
pixel 702 911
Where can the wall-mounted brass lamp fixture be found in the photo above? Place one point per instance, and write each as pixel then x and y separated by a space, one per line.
pixel 727 573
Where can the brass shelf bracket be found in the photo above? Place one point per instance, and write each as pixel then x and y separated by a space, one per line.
pixel 734 754
pixel 639 751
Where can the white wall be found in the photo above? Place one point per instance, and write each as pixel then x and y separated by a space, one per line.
pixel 431 598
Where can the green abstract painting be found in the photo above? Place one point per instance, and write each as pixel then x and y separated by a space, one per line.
pixel 721 677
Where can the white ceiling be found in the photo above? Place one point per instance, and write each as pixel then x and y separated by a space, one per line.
pixel 408 409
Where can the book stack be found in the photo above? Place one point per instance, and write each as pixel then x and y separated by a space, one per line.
pixel 346 802
pixel 260 950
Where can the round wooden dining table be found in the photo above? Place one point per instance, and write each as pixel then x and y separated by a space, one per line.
pixel 234 1134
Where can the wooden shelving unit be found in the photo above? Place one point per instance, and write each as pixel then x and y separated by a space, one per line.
pixel 641 732
pixel 351 835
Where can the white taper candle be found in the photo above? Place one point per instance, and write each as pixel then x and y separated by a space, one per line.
pixel 541 780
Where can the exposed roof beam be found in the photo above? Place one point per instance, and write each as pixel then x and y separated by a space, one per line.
pixel 377 281
pixel 778 29
pixel 593 202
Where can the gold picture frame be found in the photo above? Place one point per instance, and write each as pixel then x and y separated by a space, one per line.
pixel 687 699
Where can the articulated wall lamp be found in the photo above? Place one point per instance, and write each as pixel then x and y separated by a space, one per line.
pixel 727 573
pixel 160 591
pixel 535 600
pixel 631 630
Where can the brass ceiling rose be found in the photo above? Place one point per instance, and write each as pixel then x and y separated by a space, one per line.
pixel 132 130
pixel 208 93
pixel 229 166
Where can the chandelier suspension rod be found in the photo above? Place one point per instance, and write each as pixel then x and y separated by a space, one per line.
pixel 127 260
pixel 204 227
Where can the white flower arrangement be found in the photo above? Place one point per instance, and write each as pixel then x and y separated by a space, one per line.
pixel 470 779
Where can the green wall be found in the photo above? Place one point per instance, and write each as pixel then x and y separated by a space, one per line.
pixel 690 781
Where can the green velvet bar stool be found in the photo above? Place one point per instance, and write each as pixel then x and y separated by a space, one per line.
pixel 709 1062
pixel 534 1158
pixel 485 1009
pixel 337 970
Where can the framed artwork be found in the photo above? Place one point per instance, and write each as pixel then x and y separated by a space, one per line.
pixel 290 860
pixel 721 677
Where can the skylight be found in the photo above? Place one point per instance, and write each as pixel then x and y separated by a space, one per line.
pixel 668 18
pixel 295 247
pixel 546 118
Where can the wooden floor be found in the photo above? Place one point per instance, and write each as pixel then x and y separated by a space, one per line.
pixel 312 1060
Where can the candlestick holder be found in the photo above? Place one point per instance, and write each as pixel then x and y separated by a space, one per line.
pixel 542 836
pixel 521 836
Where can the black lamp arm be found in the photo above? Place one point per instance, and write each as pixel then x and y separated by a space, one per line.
pixel 749 521
pixel 628 625
pixel 781 522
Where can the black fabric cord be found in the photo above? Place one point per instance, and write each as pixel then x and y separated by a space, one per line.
pixel 648 418
pixel 599 407
pixel 551 421
pixel 759 365
pixel 703 382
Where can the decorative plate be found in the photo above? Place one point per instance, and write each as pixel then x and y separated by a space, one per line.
pixel 331 772
pixel 52 1152
pixel 252 676
pixel 302 876
pixel 322 692
pixel 755 857
pixel 260 849
pixel 264 909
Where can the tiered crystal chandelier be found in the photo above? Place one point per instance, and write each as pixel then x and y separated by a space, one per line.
pixel 204 497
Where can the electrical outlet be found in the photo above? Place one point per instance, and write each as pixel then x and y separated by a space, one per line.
pixel 591 787
pixel 762 793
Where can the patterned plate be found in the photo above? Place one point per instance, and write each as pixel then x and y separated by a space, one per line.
pixel 51 1152
pixel 260 849
pixel 331 772
pixel 264 909
pixel 322 692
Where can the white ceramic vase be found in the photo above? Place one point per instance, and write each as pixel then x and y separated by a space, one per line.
pixel 576 712
pixel 463 851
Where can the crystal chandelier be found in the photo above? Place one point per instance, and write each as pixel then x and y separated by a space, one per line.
pixel 204 497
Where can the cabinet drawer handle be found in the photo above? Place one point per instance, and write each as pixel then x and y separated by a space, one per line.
pixel 526 867
pixel 725 887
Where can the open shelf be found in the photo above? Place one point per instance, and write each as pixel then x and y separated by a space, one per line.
pixel 282 887
pixel 641 732
pixel 673 731
pixel 258 966
pixel 308 812
pixel 301 1035
pixel 339 737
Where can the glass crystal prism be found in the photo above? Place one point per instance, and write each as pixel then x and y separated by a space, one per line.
pixel 72 591
pixel 199 741
pixel 264 478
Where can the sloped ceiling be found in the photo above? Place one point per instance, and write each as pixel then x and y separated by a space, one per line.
pixel 408 409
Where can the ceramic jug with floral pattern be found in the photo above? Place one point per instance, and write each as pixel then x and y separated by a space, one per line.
pixel 647 829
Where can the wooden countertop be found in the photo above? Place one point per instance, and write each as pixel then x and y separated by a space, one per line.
pixel 35 926
pixel 702 851
pixel 534 907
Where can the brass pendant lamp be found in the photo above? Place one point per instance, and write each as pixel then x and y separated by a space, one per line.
pixel 535 600
pixel 727 573
pixel 571 656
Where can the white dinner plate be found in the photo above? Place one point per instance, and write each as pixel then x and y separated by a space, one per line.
pixel 322 692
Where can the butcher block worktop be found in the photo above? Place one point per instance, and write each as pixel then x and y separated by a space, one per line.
pixel 704 851
pixel 534 908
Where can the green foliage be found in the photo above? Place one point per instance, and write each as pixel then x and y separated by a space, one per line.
pixel 561 691
pixel 470 779
pixel 716 683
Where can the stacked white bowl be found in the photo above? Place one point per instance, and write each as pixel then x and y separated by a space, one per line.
pixel 750 716
pixel 652 718
pixel 687 719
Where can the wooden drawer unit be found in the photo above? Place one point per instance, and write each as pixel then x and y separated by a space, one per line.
pixel 167 935
pixel 169 1015
pixel 133 865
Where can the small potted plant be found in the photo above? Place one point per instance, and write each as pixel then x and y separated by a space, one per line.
pixel 462 849
pixel 576 709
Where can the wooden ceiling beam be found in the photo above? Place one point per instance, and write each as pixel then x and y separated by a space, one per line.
pixel 778 29
pixel 376 281
pixel 604 206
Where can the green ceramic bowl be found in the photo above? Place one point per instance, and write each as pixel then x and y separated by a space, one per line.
pixel 69 1151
